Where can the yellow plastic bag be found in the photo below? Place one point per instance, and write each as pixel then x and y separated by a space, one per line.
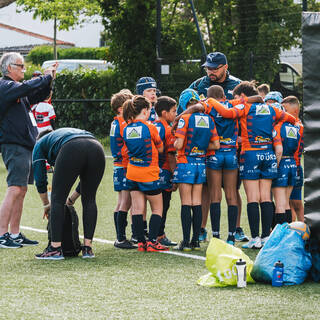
pixel 221 262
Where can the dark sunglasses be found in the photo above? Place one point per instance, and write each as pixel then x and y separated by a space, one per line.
pixel 214 69
pixel 18 65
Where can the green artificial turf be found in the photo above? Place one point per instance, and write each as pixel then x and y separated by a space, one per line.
pixel 121 284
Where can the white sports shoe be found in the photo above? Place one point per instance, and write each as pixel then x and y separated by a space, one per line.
pixel 264 240
pixel 254 243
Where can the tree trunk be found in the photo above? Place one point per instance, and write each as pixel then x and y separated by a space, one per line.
pixel 55 56
pixel 4 3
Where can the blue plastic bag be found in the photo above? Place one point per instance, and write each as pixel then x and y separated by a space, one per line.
pixel 287 246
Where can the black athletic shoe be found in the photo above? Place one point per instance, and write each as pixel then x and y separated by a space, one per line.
pixel 134 240
pixel 24 241
pixel 87 252
pixel 195 245
pixel 8 243
pixel 51 253
pixel 125 244
pixel 166 242
pixel 183 246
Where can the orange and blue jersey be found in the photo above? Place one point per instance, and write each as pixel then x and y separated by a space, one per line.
pixel 287 170
pixel 197 130
pixel 299 151
pixel 290 138
pixel 168 140
pixel 143 141
pixel 227 129
pixel 256 122
pixel 118 149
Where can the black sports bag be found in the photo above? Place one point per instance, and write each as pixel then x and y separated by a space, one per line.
pixel 71 245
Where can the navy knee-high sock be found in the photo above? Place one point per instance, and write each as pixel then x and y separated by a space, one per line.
pixel 280 218
pixel 196 222
pixel 115 219
pixel 166 197
pixel 232 221
pixel 253 218
pixel 186 222
pixel 122 223
pixel 215 213
pixel 154 225
pixel 137 223
pixel 266 217
pixel 288 215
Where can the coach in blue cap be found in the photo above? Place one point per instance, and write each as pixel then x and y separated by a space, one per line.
pixel 216 66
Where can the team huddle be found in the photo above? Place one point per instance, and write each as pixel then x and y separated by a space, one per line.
pixel 214 143
pixel 222 132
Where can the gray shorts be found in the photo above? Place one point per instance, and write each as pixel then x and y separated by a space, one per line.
pixel 17 160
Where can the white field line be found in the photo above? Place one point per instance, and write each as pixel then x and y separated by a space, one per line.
pixel 111 242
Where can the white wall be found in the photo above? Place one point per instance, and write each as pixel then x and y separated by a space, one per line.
pixel 87 36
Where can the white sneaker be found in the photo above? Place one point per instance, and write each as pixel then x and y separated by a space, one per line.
pixel 254 243
pixel 264 240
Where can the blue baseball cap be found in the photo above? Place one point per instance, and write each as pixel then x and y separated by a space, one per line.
pixel 145 83
pixel 215 59
pixel 274 95
pixel 185 97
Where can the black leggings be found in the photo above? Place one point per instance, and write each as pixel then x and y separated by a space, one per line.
pixel 82 157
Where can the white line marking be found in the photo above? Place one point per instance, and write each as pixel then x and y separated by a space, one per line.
pixel 111 242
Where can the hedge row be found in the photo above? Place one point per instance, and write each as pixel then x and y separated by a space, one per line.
pixel 42 53
pixel 93 116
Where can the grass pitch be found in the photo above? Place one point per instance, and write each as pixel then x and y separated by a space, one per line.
pixel 129 284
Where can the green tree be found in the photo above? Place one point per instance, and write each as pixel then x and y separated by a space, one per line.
pixel 65 13
pixel 131 35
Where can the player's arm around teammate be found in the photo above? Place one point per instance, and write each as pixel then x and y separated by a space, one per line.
pixel 195 134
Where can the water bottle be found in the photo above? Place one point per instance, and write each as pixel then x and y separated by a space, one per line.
pixel 241 273
pixel 277 274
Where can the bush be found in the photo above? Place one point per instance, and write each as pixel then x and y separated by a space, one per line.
pixel 42 53
pixel 95 117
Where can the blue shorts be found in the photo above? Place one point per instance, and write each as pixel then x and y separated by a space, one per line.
pixel 17 160
pixel 119 179
pixel 258 164
pixel 149 188
pixel 296 193
pixel 193 172
pixel 165 179
pixel 223 159
pixel 287 173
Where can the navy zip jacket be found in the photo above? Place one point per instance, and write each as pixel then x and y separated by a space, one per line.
pixel 201 85
pixel 16 126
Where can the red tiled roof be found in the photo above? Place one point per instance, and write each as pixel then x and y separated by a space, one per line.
pixel 35 35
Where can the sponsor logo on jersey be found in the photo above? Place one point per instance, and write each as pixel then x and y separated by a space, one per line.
pixel 260 139
pixel 112 129
pixel 181 124
pixel 134 133
pixel 137 160
pixel 202 121
pixel 227 140
pixel 196 152
pixel 292 132
pixel 262 109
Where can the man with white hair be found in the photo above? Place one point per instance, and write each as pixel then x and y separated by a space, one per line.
pixel 18 132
